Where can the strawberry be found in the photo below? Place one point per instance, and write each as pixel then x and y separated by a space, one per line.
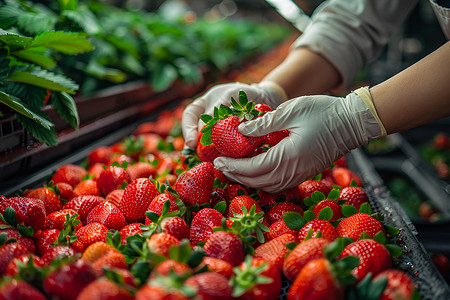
pixel 343 176
pixel 326 229
pixel 83 205
pixel 13 233
pixel 373 257
pixel 169 265
pixel 100 154
pixel 176 227
pixel 157 204
pixel 58 251
pixel 91 233
pixel 233 190
pixel 111 178
pixel 137 197
pixel 22 264
pixel 107 214
pixel 141 170
pixel 129 230
pixel 308 187
pixel 354 196
pixel 210 285
pixel 101 255
pixel 301 255
pixel 86 187
pixel 399 285
pixel 277 211
pixel 316 280
pixel 67 281
pixel 49 197
pixel 65 191
pixel 275 137
pixel 206 153
pixel 8 252
pixel 45 240
pixel 203 223
pixel 236 204
pixel 217 265
pixel 57 219
pixel 15 289
pixel 115 197
pixel 160 243
pixel 96 170
pixel 280 228
pixel 71 174
pixel 195 186
pixel 222 129
pixel 158 291
pixel 227 246
pixel 28 211
pixel 272 199
pixel 275 250
pixel 256 279
pixel 353 226
pixel 104 289
pixel 333 205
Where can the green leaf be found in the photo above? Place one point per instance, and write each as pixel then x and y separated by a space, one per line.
pixel 294 220
pixel 317 196
pixel 154 217
pixel 84 18
pixel 376 289
pixel 10 216
pixel 224 111
pixel 309 215
pixel 163 77
pixel 380 237
pixel 333 194
pixel 70 43
pixel 205 118
pixel 17 106
pixel 206 140
pixel 65 106
pixel 221 206
pixel 365 208
pixel 391 231
pixel 394 250
pixel 14 40
pixel 243 100
pixel 47 136
pixel 45 79
pixel 37 56
pixel 349 210
pixel 35 23
pixel 325 213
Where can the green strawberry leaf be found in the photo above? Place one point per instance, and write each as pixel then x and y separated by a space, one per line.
pixel 365 208
pixel 333 194
pixel 294 220
pixel 353 184
pixel 309 215
pixel 380 237
pixel 154 217
pixel 349 210
pixel 9 216
pixel 308 202
pixel 291 245
pixel 391 231
pixel 221 206
pixel 206 118
pixel 317 196
pixel 394 250
pixel 325 214
pixel 243 100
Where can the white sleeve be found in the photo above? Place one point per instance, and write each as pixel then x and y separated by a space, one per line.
pixel 351 33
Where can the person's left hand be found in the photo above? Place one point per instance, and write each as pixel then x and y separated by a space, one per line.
pixel 321 129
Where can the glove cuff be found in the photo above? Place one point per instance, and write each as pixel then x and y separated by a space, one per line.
pixel 366 97
pixel 276 94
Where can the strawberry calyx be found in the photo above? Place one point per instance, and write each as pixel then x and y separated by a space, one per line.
pixel 244 110
pixel 341 268
pixel 317 197
pixel 244 279
pixel 31 273
pixel 67 235
pixel 9 219
pixel 132 145
pixel 155 226
pixel 118 279
pixel 174 282
pixel 251 222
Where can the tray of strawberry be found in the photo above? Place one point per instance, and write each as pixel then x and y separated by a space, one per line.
pixel 146 219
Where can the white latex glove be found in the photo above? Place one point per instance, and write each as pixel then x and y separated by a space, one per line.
pixel 322 129
pixel 266 92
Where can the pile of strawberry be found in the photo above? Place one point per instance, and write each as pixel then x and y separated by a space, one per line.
pixel 143 219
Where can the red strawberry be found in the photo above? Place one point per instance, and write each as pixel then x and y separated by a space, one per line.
pixel 71 174
pixel 195 186
pixel 96 170
pixel 248 284
pixel 176 227
pixel 226 246
pixel 203 223
pixel 354 196
pixel 206 153
pixel 328 231
pixel 262 107
pixel 343 176
pixel 160 243
pixel 83 205
pixel 301 255
pixel 210 285
pixel 115 197
pixel 68 281
pixel 91 233
pixel 276 213
pixel 220 176
pixel 65 191
pixel 157 291
pixel 316 273
pixel 358 223
pixel 399 285
pixel 239 201
pixel 275 137
pixel 233 190
pixel 373 257
pixel 100 154
pixel 13 233
pixel 107 214
pixel 86 187
pixel 137 197
pixel 272 199
pixel 335 207
pixel 141 170
pixel 29 211
pixel 169 265
pixel 217 265
pixel 229 141
pixel 111 178
pixel 129 230
pixel 45 240
pixel 157 205
pixel 8 252
pixel 104 289
pixel 275 250
pixel 280 228
pixel 49 197
pixel 15 289
pixel 57 251
pixel 14 269
pixel 57 219
pixel 308 187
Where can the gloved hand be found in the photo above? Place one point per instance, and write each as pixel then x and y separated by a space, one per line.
pixel 266 92
pixel 322 129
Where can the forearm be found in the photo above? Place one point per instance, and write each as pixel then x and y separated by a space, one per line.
pixel 304 72
pixel 417 95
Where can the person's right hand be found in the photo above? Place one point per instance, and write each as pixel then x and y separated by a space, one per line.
pixel 265 93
